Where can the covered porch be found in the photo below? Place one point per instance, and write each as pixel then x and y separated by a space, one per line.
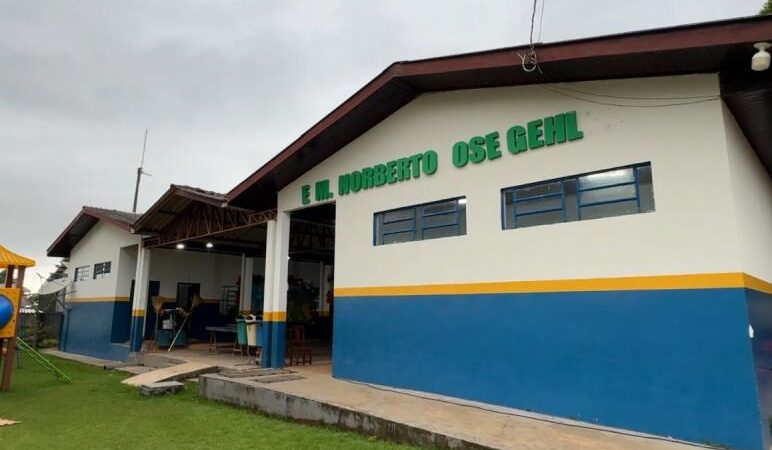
pixel 203 266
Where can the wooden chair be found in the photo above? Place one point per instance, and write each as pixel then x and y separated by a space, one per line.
pixel 297 350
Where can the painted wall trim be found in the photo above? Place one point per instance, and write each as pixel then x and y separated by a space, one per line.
pixel 137 313
pixel 655 282
pixel 98 299
pixel 275 316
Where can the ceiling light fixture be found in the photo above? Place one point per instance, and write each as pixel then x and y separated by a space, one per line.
pixel 760 60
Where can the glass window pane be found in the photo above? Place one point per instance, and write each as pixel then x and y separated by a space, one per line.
pixel 402 225
pixel 607 194
pixel 540 219
pixel 609 210
pixel 538 204
pixel 399 237
pixel 645 189
pixel 443 219
pixel 400 214
pixel 552 187
pixel 434 233
pixel 570 204
pixel 606 178
pixel 509 209
pixel 439 208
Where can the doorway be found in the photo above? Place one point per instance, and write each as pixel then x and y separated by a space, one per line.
pixel 310 279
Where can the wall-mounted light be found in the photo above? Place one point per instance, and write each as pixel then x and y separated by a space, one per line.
pixel 760 60
pixel 209 245
pixel 181 246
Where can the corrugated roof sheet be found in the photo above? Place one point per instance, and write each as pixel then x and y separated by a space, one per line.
pixel 9 258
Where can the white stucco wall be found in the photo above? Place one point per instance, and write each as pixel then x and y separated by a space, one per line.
pixel 752 193
pixel 688 233
pixel 101 244
pixel 211 270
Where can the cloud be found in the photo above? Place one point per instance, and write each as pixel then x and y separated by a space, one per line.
pixel 223 85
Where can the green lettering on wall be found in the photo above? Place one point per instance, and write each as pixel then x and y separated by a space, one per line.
pixel 356 181
pixel 367 178
pixel 415 164
pixel 344 184
pixel 492 145
pixel 572 128
pixel 379 175
pixel 391 168
pixel 555 129
pixel 460 154
pixel 516 140
pixel 476 150
pixel 534 134
pixel 403 169
pixel 322 190
pixel 430 162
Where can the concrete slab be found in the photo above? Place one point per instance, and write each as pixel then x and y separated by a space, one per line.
pixel 251 373
pixel 415 418
pixel 82 358
pixel 277 378
pixel 161 388
pixel 174 373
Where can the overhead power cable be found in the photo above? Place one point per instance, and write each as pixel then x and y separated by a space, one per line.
pixel 621 105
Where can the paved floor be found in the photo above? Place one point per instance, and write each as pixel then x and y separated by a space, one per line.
pixel 486 425
pixel 494 427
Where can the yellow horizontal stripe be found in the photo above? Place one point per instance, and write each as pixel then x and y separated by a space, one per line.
pixel 97 299
pixel 245 313
pixel 137 313
pixel 757 284
pixel 275 316
pixel 656 282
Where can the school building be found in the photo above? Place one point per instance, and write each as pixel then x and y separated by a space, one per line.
pixel 591 239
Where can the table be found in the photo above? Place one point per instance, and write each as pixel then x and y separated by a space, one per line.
pixel 213 336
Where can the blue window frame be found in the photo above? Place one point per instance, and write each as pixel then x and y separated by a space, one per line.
pixel 420 222
pixel 605 193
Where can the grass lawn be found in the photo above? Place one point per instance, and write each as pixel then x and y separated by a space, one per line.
pixel 97 411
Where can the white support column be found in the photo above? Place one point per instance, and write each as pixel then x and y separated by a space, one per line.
pixel 247 272
pixel 270 250
pixel 279 288
pixel 140 300
pixel 281 266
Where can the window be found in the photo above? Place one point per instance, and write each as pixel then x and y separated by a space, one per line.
pixel 420 222
pixel 102 270
pixel 82 273
pixel 608 193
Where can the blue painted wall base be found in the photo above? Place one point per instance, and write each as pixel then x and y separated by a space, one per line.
pixel 277 344
pixel 87 329
pixel 265 350
pixel 137 328
pixel 673 363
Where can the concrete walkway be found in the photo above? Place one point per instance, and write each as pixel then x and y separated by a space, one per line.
pixel 418 417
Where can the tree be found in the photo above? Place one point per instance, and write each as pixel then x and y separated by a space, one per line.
pixel 766 9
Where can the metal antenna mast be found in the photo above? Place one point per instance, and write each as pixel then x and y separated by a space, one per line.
pixel 140 171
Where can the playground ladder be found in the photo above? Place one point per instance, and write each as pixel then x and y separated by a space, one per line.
pixel 40 359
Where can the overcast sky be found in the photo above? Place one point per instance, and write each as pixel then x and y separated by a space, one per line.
pixel 223 85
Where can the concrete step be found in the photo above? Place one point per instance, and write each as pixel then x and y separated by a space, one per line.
pixel 174 373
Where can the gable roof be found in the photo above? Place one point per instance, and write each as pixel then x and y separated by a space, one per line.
pixel 84 222
pixel 174 201
pixel 711 47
